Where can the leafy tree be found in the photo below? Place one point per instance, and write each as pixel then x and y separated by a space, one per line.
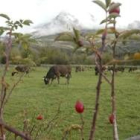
pixel 5 93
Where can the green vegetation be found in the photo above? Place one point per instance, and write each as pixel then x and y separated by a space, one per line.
pixel 34 97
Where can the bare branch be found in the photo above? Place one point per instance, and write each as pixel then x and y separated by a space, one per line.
pixel 13 130
pixel 109 82
pixel 10 92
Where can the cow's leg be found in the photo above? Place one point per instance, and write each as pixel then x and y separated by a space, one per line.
pixel 68 78
pixel 96 72
pixel 51 80
pixel 27 73
pixel 58 77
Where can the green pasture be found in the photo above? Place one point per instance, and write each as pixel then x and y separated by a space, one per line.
pixel 32 97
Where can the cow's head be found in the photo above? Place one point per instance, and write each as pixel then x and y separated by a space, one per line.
pixel 46 80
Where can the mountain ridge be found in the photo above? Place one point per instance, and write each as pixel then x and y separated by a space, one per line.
pixel 61 23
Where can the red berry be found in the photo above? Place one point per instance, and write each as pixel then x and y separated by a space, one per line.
pixel 111 118
pixel 79 107
pixel 115 10
pixel 39 117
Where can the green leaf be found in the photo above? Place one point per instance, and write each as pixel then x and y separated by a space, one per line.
pixel 104 21
pixel 76 34
pixel 108 20
pixel 1 31
pixel 110 30
pixel 16 22
pixel 20 25
pixel 25 45
pixel 21 20
pixel 16 26
pixel 5 16
pixel 101 4
pixel 9 23
pixel 113 15
pixel 17 35
pixel 111 22
pixel 27 22
pixel 114 6
pixel 107 3
pixel 100 31
pixel 4 28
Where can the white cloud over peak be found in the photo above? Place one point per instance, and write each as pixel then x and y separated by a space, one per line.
pixel 40 11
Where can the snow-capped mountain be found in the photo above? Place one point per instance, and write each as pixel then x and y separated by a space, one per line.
pixel 62 22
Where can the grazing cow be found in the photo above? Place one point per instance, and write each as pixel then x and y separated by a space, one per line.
pixel 97 70
pixel 21 68
pixel 57 71
pixel 131 69
pixel 121 69
pixel 79 68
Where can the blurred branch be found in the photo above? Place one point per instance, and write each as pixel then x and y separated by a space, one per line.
pixel 13 130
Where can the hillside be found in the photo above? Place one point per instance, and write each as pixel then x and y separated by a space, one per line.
pixel 121 49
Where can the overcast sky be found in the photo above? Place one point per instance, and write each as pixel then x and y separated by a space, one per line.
pixel 40 11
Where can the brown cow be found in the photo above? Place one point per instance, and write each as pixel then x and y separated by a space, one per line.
pixel 131 69
pixel 104 67
pixel 79 68
pixel 57 71
pixel 21 68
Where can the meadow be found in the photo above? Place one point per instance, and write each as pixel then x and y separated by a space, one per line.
pixel 32 97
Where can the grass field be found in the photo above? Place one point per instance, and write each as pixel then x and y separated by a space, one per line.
pixel 32 97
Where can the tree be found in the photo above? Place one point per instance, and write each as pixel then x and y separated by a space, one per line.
pixel 4 93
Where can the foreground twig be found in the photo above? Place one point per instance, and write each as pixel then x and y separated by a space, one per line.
pixel 13 130
pixel 98 88
pixel 10 92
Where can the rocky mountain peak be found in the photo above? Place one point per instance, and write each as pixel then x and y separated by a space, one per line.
pixel 62 22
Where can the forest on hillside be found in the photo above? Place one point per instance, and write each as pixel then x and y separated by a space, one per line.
pixel 45 50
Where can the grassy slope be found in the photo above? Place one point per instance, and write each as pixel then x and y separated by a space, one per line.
pixel 35 97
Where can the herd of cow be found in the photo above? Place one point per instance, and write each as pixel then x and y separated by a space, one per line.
pixel 116 69
pixel 110 68
pixel 57 71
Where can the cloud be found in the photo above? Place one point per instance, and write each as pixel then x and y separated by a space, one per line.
pixel 40 11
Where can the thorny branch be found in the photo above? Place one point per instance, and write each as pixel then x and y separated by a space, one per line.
pixel 13 130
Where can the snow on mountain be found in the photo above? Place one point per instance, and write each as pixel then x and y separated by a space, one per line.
pixel 62 22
